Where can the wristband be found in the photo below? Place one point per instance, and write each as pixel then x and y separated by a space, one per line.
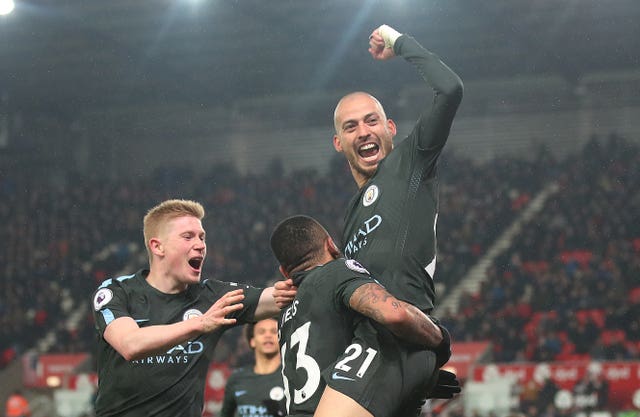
pixel 389 35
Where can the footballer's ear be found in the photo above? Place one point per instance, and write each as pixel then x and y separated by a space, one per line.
pixel 391 125
pixel 332 248
pixel 284 273
pixel 337 145
pixel 156 247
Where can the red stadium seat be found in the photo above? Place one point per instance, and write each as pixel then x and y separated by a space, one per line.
pixel 598 317
pixel 608 337
pixel 634 295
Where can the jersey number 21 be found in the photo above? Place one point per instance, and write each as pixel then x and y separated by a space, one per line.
pixel 300 337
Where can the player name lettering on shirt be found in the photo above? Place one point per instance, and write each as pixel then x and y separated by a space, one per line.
pixel 359 238
pixel 290 312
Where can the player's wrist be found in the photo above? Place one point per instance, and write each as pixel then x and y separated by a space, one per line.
pixel 443 350
pixel 389 34
pixel 202 325
pixel 446 338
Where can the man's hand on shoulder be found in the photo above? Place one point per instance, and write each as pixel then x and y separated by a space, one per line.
pixel 284 292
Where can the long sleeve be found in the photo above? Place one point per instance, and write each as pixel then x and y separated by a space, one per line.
pixel 435 122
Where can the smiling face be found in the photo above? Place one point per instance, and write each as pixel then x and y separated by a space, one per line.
pixel 179 251
pixel 174 238
pixel 363 134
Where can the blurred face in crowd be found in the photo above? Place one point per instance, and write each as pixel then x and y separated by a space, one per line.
pixel 363 134
pixel 180 249
pixel 265 338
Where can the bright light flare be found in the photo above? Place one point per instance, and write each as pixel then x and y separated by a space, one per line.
pixel 53 381
pixel 6 7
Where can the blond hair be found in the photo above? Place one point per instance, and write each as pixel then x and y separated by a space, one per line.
pixel 165 211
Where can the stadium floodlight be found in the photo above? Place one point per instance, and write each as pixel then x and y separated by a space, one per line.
pixel 6 7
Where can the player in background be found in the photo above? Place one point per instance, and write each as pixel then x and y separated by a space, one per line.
pixel 257 390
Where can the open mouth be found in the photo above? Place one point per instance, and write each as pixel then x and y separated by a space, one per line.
pixel 368 150
pixel 196 263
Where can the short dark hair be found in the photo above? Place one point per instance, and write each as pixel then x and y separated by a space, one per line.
pixel 297 241
pixel 250 328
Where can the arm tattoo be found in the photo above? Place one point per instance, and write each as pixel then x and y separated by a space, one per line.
pixel 373 301
pixel 369 298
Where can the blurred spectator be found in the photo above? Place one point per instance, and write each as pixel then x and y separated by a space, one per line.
pixel 591 392
pixel 529 394
pixel 573 260
pixel 547 394
pixel 17 405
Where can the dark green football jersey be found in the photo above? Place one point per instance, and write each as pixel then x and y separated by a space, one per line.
pixel 248 394
pixel 163 384
pixel 390 224
pixel 316 328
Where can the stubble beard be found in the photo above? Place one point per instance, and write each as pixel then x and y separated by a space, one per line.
pixel 365 172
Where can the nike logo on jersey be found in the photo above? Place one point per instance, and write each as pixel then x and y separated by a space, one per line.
pixel 336 375
pixel 240 393
pixel 141 320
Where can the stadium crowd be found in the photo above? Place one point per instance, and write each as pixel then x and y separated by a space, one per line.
pixel 568 279
pixel 571 278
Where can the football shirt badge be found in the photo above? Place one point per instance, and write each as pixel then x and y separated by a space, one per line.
pixel 102 297
pixel 355 266
pixel 370 195
pixel 191 313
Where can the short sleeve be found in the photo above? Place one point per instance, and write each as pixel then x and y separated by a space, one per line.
pixel 350 276
pixel 109 303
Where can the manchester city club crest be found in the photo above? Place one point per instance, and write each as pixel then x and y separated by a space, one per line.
pixel 191 313
pixel 276 393
pixel 370 195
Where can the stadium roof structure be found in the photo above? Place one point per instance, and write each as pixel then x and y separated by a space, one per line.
pixel 79 54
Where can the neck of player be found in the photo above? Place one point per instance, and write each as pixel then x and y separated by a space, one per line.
pixel 266 364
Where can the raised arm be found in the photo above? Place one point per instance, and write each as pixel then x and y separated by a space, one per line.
pixel 135 342
pixel 403 319
pixel 435 124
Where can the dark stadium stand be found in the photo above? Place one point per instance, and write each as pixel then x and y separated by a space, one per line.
pixel 107 108
pixel 569 279
pixel 560 280
pixel 565 290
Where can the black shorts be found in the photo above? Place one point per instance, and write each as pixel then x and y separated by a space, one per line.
pixel 383 375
